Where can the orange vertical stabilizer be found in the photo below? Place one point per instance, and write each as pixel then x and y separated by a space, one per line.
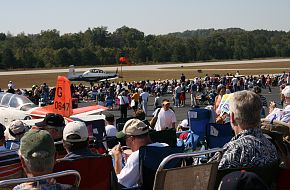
pixel 62 100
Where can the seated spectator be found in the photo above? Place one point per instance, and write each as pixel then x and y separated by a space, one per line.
pixel 111 129
pixel 281 114
pixel 37 155
pixel 76 140
pixel 2 138
pixel 14 133
pixel 136 134
pixel 141 115
pixel 249 147
pixel 183 127
pixel 54 124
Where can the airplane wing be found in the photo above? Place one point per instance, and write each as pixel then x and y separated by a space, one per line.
pixel 89 110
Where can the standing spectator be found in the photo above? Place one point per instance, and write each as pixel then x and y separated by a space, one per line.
pixel 182 95
pixel 249 147
pixel 182 78
pixel 269 83
pixel 166 117
pixel 158 101
pixel 144 100
pixel 193 91
pixel 11 87
pixel 37 155
pixel 135 97
pixel 124 103
pixel 177 93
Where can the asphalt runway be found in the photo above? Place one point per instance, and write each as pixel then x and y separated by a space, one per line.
pixel 142 67
pixel 181 112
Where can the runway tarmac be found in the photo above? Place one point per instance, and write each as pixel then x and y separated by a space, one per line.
pixel 143 67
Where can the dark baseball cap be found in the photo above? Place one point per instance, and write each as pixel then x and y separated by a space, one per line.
pixel 52 119
pixel 242 180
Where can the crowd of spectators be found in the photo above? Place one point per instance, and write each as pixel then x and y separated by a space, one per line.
pixel 248 148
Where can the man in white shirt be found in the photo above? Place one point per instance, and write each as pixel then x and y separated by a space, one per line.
pixel 144 97
pixel 166 117
pixel 136 134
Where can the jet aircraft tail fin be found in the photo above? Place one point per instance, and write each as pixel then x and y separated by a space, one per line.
pixel 62 100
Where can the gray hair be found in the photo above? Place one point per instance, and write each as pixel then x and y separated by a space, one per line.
pixel 246 106
pixel 40 164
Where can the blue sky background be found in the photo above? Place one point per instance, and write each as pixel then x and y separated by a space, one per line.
pixel 148 16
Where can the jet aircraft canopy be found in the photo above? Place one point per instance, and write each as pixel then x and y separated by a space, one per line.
pixel 15 101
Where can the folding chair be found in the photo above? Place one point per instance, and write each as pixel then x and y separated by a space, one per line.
pixel 198 119
pixel 95 171
pixel 75 183
pixel 165 136
pixel 217 135
pixel 267 173
pixel 201 177
pixel 10 166
pixel 149 159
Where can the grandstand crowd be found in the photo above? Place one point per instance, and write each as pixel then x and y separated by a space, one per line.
pixel 115 155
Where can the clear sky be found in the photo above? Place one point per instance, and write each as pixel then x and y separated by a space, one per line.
pixel 148 16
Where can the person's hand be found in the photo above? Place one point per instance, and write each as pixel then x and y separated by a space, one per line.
pixel 117 152
pixel 272 104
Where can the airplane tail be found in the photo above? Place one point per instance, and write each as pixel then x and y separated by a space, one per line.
pixel 71 71
pixel 62 100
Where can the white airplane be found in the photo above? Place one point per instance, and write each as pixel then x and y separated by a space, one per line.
pixel 92 75
pixel 13 106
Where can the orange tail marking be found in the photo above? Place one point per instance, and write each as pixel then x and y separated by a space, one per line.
pixel 62 100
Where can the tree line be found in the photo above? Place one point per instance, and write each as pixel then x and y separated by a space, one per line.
pixel 97 46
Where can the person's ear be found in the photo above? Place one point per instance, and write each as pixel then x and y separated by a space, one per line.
pixel 23 164
pixel 232 118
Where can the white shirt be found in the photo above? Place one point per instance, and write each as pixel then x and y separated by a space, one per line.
pixel 144 96
pixel 111 130
pixel 165 119
pixel 130 175
pixel 123 100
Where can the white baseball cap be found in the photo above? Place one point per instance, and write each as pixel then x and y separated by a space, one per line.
pixel 75 128
pixel 184 124
pixel 286 91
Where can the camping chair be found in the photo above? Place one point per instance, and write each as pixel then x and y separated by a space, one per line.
pixel 149 159
pixel 10 166
pixel 217 135
pixel 165 136
pixel 75 184
pixel 95 171
pixel 198 119
pixel 267 173
pixel 201 177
